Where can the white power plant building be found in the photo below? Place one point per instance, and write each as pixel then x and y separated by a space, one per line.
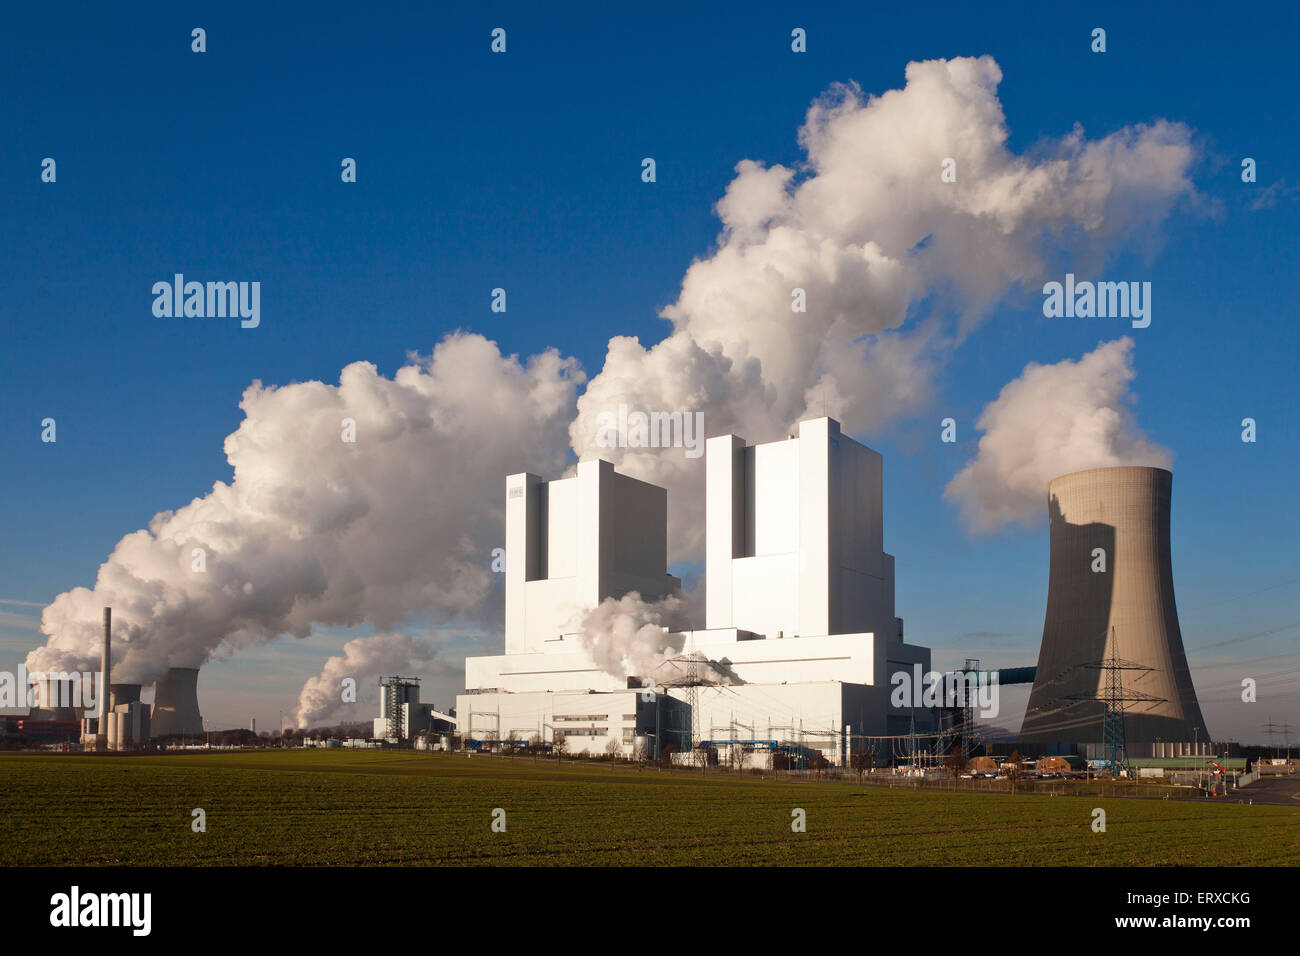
pixel 799 639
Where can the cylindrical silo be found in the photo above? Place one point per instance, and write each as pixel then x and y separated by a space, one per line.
pixel 176 704
pixel 1110 594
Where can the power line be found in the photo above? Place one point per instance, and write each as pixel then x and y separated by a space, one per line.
pixel 1245 637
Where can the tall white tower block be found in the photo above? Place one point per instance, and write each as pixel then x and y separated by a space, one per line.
pixel 794 537
pixel 573 542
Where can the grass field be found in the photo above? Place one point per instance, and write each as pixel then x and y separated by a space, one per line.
pixel 375 807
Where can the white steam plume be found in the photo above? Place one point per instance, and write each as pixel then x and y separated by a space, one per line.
pixel 632 637
pixel 1052 420
pixel 365 660
pixel 313 530
pixel 871 233
pixel 316 530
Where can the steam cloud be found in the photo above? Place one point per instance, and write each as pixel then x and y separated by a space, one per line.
pixel 1052 420
pixel 313 529
pixel 365 660
pixel 873 236
pixel 400 524
pixel 626 637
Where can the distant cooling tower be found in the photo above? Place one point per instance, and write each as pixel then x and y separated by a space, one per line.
pixel 54 699
pixel 1125 611
pixel 176 703
pixel 124 694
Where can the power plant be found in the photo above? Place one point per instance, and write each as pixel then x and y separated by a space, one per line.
pixel 800 645
pixel 1112 674
pixel 121 720
pixel 800 649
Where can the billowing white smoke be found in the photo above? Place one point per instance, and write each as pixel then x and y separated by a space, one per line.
pixel 399 524
pixel 627 637
pixel 873 236
pixel 632 637
pixel 364 660
pixel 315 529
pixel 1052 420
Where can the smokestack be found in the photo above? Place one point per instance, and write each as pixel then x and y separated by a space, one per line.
pixel 106 665
pixel 105 709
pixel 1123 608
pixel 176 703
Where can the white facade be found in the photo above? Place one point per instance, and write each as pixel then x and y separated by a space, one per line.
pixel 794 536
pixel 800 628
pixel 573 542
pixel 587 721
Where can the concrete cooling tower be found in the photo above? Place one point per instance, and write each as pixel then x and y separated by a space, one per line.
pixel 176 703
pixel 123 694
pixel 1125 611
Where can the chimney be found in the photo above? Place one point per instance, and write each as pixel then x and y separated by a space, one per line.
pixel 106 663
pixel 105 676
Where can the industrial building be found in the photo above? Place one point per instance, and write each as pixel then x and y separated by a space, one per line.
pixel 1112 673
pixel 401 714
pixel 123 722
pixel 799 638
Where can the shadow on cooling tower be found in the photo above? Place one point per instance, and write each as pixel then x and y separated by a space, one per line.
pixel 1074 632
pixel 1128 611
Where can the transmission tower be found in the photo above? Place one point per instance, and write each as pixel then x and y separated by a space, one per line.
pixel 1113 697
pixel 969 738
pixel 1285 731
pixel 693 698
pixel 691 664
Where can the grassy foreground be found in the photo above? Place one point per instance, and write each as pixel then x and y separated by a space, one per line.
pixel 376 807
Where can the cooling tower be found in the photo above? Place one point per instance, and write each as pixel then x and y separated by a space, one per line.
pixel 124 694
pixel 54 699
pixel 176 703
pixel 1125 611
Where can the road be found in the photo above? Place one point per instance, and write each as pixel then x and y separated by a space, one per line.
pixel 1281 790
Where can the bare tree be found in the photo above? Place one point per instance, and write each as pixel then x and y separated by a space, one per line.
pixel 559 746
pixel 1013 766
pixel 863 762
pixel 666 754
pixel 956 761
pixel 736 757
pixel 613 748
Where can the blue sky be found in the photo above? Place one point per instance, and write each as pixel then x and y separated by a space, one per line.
pixel 524 170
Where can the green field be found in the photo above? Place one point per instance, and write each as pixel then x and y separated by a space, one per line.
pixel 377 807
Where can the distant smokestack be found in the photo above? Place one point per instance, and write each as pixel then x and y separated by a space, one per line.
pixel 105 708
pixel 106 668
pixel 176 703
